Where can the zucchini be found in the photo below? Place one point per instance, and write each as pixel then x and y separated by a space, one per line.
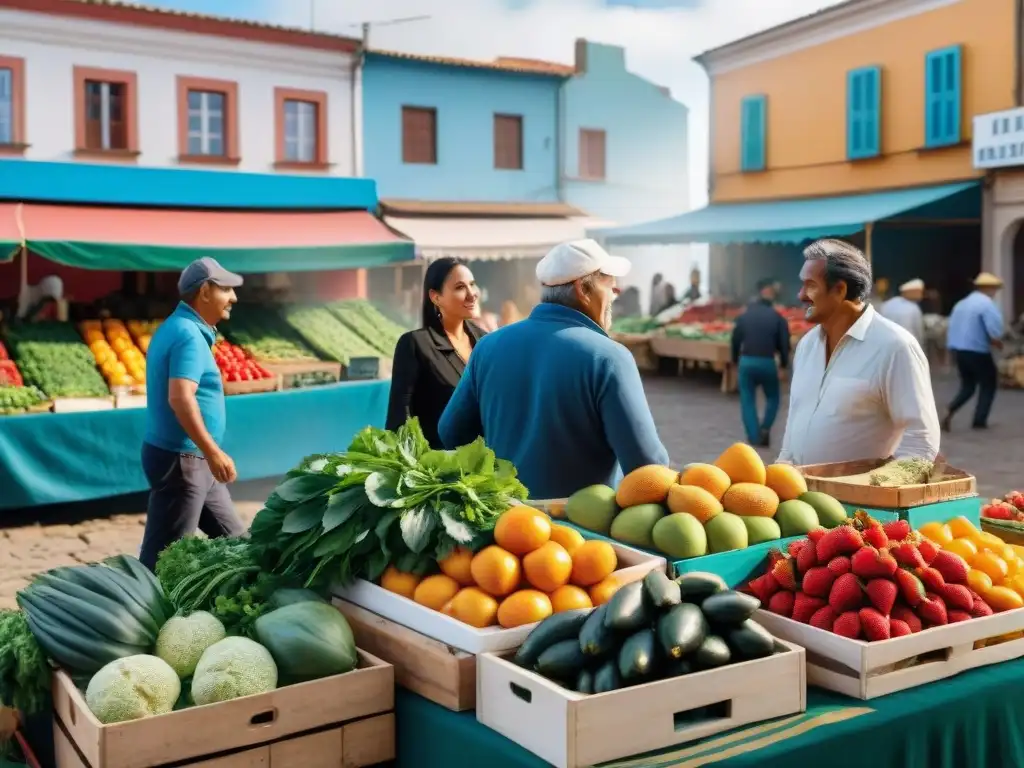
pixel 562 661
pixel 71 661
pixel 554 629
pixel 682 630
pixel 113 622
pixel 606 678
pixel 699 584
pixel 729 608
pixel 98 580
pixel 628 609
pixel 713 652
pixel 661 590
pixel 147 581
pixel 676 668
pixel 58 615
pixel 585 681
pixel 597 640
pixel 637 655
pixel 71 651
pixel 751 641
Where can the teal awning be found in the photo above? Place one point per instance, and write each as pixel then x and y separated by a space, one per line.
pixel 788 221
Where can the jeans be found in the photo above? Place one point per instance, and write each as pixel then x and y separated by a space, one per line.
pixel 757 372
pixel 977 372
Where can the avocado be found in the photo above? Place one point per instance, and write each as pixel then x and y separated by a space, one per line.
pixel 681 630
pixel 830 512
pixel 562 661
pixel 592 508
pixel 697 585
pixel 729 608
pixel 751 641
pixel 635 525
pixel 637 655
pixel 662 592
pixel 597 640
pixel 628 609
pixel 554 629
pixel 606 678
pixel 713 652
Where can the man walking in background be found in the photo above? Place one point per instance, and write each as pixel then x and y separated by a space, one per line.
pixel 759 335
pixel 905 310
pixel 185 417
pixel 975 329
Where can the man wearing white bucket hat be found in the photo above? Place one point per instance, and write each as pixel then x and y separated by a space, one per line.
pixel 904 310
pixel 553 393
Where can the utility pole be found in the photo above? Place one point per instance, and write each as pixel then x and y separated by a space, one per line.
pixel 366 26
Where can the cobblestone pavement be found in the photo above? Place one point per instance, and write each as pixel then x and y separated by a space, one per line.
pixel 695 419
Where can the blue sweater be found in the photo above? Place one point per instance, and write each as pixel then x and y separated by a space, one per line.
pixel 559 399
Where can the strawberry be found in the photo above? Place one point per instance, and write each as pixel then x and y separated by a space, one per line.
pixel 774 555
pixel 897 530
pixel 873 624
pixel 781 603
pixel 955 615
pixel 763 587
pixel 815 534
pixel 911 588
pixel 932 610
pixel 928 549
pixel 817 581
pixel 823 618
pixel 981 609
pixel 784 574
pixel 907 554
pixel 898 628
pixel 875 536
pixel 907 616
pixel 870 563
pixel 807 557
pixel 952 567
pixel 805 606
pixel 795 546
pixel 839 565
pixel 882 594
pixel 842 540
pixel 956 596
pixel 847 625
pixel 845 594
pixel 931 579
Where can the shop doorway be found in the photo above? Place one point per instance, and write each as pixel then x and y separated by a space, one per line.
pixel 1018 271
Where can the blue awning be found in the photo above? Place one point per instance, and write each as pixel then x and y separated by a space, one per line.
pixel 787 221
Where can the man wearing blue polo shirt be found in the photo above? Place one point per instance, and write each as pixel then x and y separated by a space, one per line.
pixel 185 417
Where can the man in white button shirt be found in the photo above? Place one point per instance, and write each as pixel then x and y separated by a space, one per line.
pixel 904 310
pixel 861 388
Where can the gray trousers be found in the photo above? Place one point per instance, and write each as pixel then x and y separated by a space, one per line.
pixel 183 497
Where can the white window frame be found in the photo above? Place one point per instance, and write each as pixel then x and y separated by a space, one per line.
pixel 205 113
pixel 6 105
pixel 105 109
pixel 301 132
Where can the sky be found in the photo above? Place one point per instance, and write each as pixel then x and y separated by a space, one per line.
pixel 660 36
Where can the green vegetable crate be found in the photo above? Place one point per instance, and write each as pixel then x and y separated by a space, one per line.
pixel 341 720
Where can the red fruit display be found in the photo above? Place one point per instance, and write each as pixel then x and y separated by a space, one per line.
pixel 897 530
pixel 870 563
pixel 846 594
pixel 847 625
pixel 817 582
pixel 823 618
pixel 807 557
pixel 238 365
pixel 784 574
pixel 841 540
pixel 782 603
pixel 873 624
pixel 898 628
pixel 882 594
pixel 805 606
pixel 839 565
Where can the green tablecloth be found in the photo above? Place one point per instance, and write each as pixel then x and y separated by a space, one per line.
pixel 974 720
pixel 60 458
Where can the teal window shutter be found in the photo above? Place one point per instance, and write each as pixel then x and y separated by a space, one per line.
pixel 864 113
pixel 752 130
pixel 942 101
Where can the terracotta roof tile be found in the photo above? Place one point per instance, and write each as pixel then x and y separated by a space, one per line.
pixel 501 64
pixel 395 207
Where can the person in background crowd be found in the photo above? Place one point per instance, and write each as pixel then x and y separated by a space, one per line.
pixel 905 309
pixel 186 420
pixel 553 393
pixel 693 292
pixel 628 303
pixel 861 386
pixel 42 301
pixel 759 335
pixel 975 329
pixel 430 361
pixel 658 287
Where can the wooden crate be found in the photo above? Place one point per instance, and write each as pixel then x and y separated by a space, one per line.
pixel 827 478
pixel 82 404
pixel 1009 534
pixel 355 708
pixel 691 349
pixel 569 729
pixel 448 630
pixel 867 670
pixel 272 384
pixel 428 667
pixel 130 401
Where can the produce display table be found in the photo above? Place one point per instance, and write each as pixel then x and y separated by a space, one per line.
pixel 63 458
pixel 717 354
pixel 974 720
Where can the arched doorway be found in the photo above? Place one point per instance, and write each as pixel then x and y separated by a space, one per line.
pixel 1017 271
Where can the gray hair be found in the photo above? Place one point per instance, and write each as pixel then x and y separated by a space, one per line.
pixel 843 262
pixel 565 294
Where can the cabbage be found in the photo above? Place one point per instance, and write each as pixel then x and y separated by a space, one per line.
pixel 232 668
pixel 132 688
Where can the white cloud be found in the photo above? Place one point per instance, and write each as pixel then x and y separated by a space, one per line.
pixel 659 43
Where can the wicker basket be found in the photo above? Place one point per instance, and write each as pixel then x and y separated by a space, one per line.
pixel 828 478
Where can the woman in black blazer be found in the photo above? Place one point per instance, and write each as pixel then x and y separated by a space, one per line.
pixel 429 361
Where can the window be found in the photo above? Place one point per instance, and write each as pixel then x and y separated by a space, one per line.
pixel 508 142
pixel 419 135
pixel 752 131
pixel 301 128
pixel 6 105
pixel 942 97
pixel 592 154
pixel 863 113
pixel 207 121
pixel 105 112
pixel 12 105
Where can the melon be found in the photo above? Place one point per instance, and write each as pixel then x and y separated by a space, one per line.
pixel 645 485
pixel 742 464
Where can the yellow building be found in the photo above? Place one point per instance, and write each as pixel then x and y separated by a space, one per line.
pixel 854 122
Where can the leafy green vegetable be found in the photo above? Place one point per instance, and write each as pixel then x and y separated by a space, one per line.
pixel 24 670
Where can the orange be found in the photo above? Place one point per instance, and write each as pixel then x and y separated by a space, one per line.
pixel 548 568
pixel 961 527
pixel 986 540
pixel 593 562
pixel 570 598
pixel 1016 584
pixel 456 565
pixel 522 529
pixel 474 607
pixel 526 606
pixel 446 609
pixel 940 533
pixel 991 564
pixel 966 548
pixel 495 570
pixel 979 581
pixel 1003 599
pixel 569 538
pixel 404 584
pixel 602 592
pixel 435 591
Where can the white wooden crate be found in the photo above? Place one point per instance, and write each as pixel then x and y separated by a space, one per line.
pixel 866 670
pixel 82 404
pixel 462 636
pixel 570 730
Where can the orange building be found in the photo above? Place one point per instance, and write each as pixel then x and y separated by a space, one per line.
pixel 854 122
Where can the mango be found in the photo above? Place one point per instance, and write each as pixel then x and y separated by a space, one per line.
pixel 635 525
pixel 761 529
pixel 680 535
pixel 726 532
pixel 830 512
pixel 593 508
pixel 796 518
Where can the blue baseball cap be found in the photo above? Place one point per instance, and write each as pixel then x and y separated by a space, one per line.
pixel 206 270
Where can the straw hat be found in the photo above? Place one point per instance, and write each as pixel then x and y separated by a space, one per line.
pixel 912 285
pixel 987 280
